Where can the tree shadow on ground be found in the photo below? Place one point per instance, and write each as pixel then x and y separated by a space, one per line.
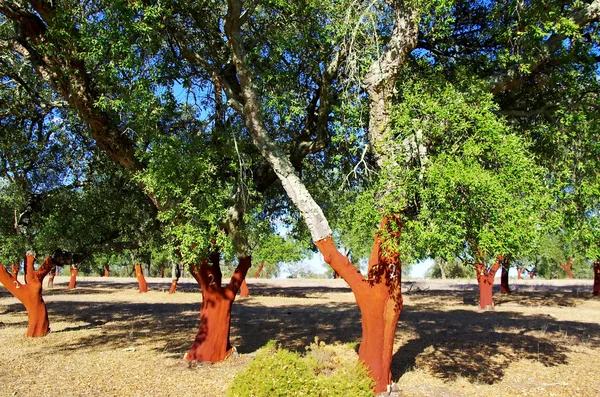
pixel 448 343
pixel 481 345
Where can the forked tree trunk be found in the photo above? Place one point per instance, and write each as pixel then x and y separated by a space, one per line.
pixel 51 277
pixel 73 278
pixel 212 341
pixel 520 272
pixel 106 270
pixel 532 273
pixel 485 279
pixel 379 299
pixel 567 267
pixel 596 291
pixel 504 288
pixel 139 274
pixel 31 294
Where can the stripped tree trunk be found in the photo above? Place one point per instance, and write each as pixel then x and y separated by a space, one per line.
pixel 260 267
pixel 379 298
pixel 520 272
pixel 532 273
pixel 73 278
pixel 106 270
pixel 244 290
pixel 596 290
pixel 139 274
pixel 485 279
pixel 212 341
pixel 567 267
pixel 174 277
pixel 31 294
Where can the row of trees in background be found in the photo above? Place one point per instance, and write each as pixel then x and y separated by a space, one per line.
pixel 457 130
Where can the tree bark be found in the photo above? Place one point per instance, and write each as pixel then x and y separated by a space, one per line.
pixel 31 294
pixel 174 277
pixel 139 274
pixel 567 267
pixel 485 279
pixel 379 299
pixel 442 271
pixel 596 290
pixel 504 288
pixel 14 271
pixel 73 279
pixel 260 267
pixel 244 290
pixel 212 341
pixel 520 272
pixel 106 270
pixel 51 277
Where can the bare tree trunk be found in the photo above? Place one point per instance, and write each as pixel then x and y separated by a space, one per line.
pixel 567 267
pixel 139 274
pixel 174 277
pixel 73 278
pixel 485 279
pixel 31 294
pixel 212 341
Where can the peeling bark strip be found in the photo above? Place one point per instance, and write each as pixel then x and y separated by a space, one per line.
pixel 212 341
pixel 139 274
pixel 567 267
pixel 485 279
pixel 30 294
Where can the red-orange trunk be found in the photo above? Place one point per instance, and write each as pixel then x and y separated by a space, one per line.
pixel 485 279
pixel 380 312
pixel 567 267
pixel 73 278
pixel 139 274
pixel 596 291
pixel 14 269
pixel 106 271
pixel 379 299
pixel 244 290
pixel 519 273
pixel 162 272
pixel 30 295
pixel 260 267
pixel 212 341
pixel 173 287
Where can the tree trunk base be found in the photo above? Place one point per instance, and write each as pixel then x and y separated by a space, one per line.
pixel 244 290
pixel 212 341
pixel 173 287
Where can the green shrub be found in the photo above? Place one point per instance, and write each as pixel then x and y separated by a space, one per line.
pixel 325 370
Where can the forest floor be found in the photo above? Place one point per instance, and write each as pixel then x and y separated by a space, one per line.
pixel 109 340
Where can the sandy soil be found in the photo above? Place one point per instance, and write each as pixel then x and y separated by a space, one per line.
pixel 107 339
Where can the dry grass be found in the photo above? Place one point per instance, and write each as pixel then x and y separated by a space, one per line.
pixel 108 339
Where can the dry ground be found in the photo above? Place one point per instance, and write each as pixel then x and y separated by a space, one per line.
pixel 109 340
